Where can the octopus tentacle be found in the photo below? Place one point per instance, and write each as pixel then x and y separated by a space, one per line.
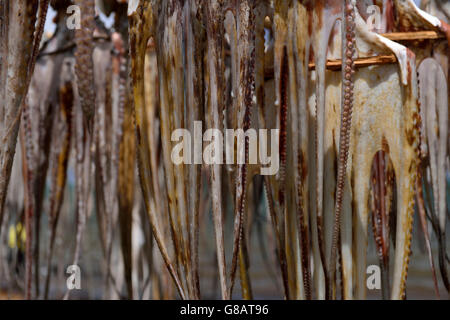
pixel 215 69
pixel 18 46
pixel 298 45
pixel 262 15
pixel 141 27
pixel 28 167
pixel 246 56
pixel 281 69
pixel 325 14
pixel 123 143
pixel 434 111
pixel 84 68
pixel 424 226
pixel 59 160
pixel 84 71
pixel 194 106
pixel 348 69
pixel 380 215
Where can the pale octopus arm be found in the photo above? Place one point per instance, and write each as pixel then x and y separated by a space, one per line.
pixel 404 145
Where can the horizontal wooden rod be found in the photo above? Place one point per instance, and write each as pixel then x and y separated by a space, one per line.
pixel 395 36
pixel 413 36
pixel 336 65
pixel 386 59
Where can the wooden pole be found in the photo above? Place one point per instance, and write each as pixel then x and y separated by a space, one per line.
pixel 335 65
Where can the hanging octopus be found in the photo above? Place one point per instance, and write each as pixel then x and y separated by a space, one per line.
pixel 360 114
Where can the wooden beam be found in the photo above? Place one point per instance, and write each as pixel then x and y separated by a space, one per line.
pixel 413 36
pixel 335 65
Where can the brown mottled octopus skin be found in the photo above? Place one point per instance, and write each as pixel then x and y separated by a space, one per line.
pixel 114 127
pixel 404 166
pixel 84 68
pixel 265 119
pixel 19 50
pixel 170 44
pixel 41 107
pixel 320 44
pixel 403 143
pixel 59 159
pixel 215 69
pixel 169 53
pixel 381 205
pixel 106 171
pixel 291 26
pixel 194 39
pixel 326 179
pixel 142 25
pixel 123 141
pixel 17 40
pixel 278 185
pixel 361 154
pixel 83 115
pixel 43 135
pixel 126 170
pixel 289 218
pixel 434 109
pixel 178 41
pixel 293 23
pixel 246 56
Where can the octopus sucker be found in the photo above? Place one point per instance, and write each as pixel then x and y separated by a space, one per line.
pixel 246 57
pixel 83 117
pixel 325 15
pixel 406 168
pixel 84 67
pixel 348 70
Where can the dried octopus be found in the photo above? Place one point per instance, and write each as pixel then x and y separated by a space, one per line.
pixel 363 131
pixel 382 102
